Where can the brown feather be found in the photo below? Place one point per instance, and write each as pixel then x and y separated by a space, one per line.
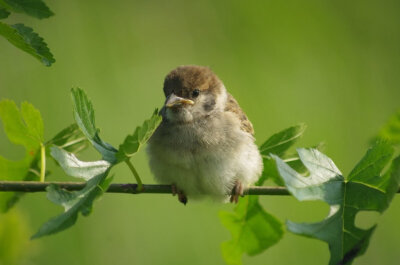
pixel 184 79
pixel 233 106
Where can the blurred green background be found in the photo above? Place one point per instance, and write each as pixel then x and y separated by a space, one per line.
pixel 331 64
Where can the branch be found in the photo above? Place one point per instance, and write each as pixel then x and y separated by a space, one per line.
pixel 36 186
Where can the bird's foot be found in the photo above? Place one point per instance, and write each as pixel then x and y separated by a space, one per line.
pixel 181 195
pixel 237 191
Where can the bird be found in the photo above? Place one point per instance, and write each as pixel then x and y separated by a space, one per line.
pixel 204 145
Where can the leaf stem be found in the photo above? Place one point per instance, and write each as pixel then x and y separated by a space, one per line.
pixel 42 162
pixel 135 174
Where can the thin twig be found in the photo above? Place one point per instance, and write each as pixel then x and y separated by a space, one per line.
pixel 37 186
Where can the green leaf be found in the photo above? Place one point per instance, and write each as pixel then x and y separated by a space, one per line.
pixel 84 117
pixel 142 134
pixel 94 172
pixel 25 39
pixel 75 202
pixel 293 160
pixel 391 130
pixel 365 189
pixel 33 121
pixel 76 168
pixel 4 13
pixel 253 230
pixel 22 127
pixel 278 144
pixel 70 139
pixel 35 8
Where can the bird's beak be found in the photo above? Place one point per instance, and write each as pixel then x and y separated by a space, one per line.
pixel 174 101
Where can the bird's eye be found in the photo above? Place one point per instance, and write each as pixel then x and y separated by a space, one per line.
pixel 195 93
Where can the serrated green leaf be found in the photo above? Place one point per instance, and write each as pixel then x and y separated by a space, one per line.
pixel 364 190
pixel 77 201
pixel 70 139
pixel 253 230
pixel 4 13
pixel 26 39
pixel 280 142
pixel 391 130
pixel 85 118
pixel 22 127
pixel 35 8
pixel 142 134
pixel 33 121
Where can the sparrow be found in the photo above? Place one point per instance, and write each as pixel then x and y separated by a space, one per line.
pixel 204 145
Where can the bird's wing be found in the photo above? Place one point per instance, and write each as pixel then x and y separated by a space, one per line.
pixel 233 106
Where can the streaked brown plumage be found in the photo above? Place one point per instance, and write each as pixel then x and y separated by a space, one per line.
pixel 233 106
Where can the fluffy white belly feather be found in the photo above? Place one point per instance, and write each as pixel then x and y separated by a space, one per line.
pixel 205 169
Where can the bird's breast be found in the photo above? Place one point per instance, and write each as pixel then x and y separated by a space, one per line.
pixel 192 144
pixel 202 158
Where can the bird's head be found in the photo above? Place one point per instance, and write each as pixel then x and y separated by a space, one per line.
pixel 192 92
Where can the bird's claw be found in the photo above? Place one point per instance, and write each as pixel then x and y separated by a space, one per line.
pixel 174 190
pixel 182 198
pixel 181 195
pixel 237 191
